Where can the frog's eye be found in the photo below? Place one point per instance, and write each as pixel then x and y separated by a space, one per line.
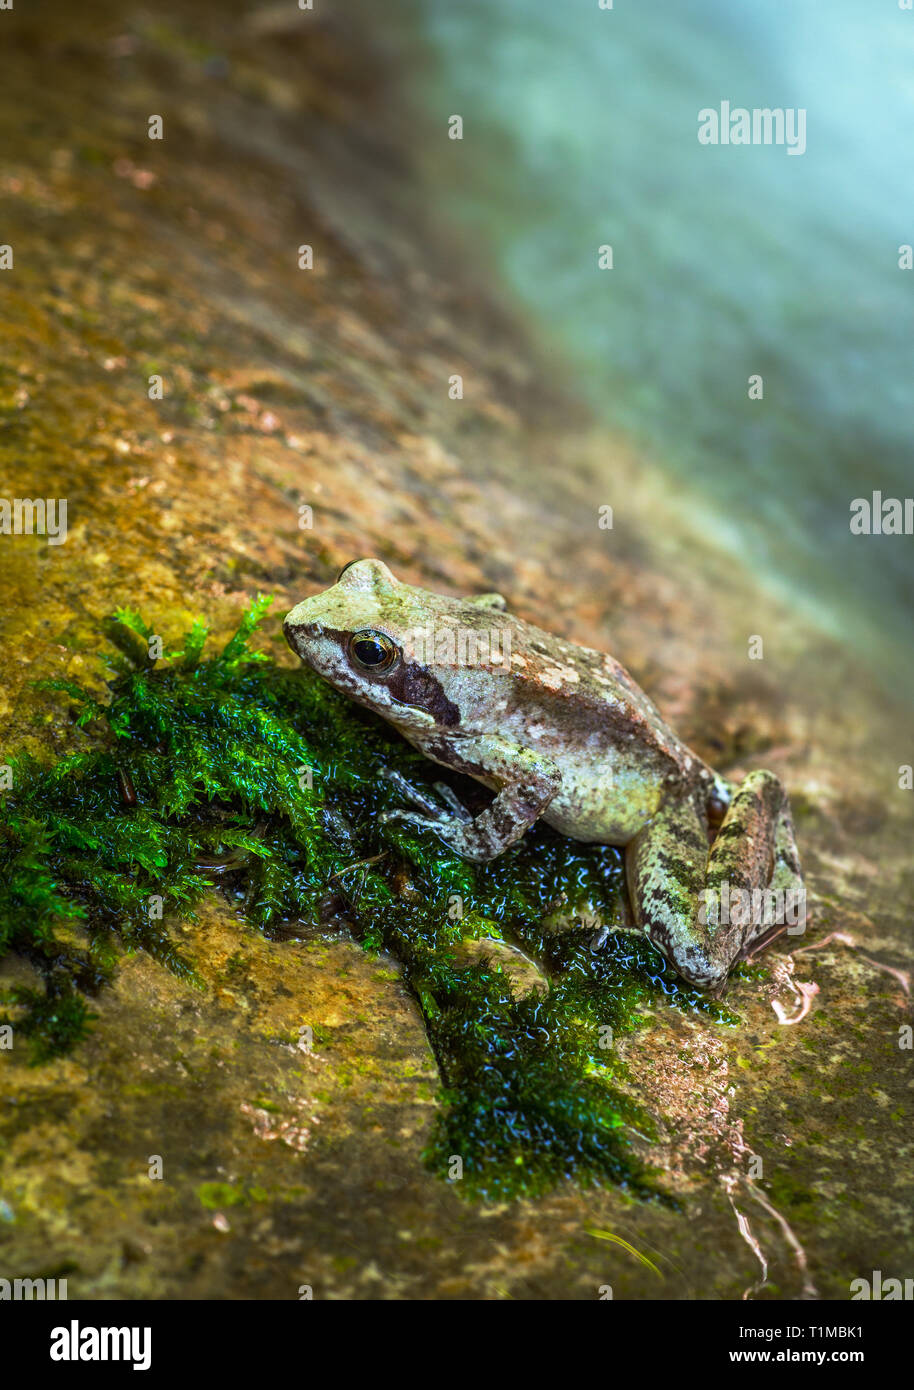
pixel 348 566
pixel 373 651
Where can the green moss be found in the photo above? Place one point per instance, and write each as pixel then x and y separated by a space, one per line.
pixel 796 1201
pixel 196 773
pixel 216 1195
pixel 52 1021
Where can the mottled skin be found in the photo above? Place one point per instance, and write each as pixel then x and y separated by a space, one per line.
pixel 560 733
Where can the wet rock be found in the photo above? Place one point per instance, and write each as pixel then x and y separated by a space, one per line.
pixel 523 974
pixel 294 397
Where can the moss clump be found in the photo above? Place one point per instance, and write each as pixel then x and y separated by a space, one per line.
pixel 264 781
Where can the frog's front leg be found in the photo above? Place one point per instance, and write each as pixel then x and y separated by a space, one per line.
pixel 701 908
pixel 526 784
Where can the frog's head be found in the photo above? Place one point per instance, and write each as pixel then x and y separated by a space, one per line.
pixel 364 636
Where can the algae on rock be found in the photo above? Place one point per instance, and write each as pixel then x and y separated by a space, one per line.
pixel 234 770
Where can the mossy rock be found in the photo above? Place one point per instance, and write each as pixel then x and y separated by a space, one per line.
pixel 234 773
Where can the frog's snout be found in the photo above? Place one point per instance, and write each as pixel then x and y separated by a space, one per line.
pixel 296 627
pixel 304 629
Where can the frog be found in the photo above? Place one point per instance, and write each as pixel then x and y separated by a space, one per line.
pixel 560 733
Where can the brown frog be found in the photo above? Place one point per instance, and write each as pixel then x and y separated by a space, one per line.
pixel 562 733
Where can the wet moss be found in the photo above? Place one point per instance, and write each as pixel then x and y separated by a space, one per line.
pixel 231 772
pixel 216 1195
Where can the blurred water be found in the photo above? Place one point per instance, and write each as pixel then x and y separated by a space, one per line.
pixel 581 129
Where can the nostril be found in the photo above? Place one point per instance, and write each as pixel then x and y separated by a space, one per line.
pixel 303 629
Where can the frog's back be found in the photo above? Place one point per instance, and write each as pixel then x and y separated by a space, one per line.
pixel 581 709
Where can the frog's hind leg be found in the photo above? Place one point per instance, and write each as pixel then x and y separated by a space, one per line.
pixel 704 909
pixel 785 906
pixel 754 879
pixel 667 866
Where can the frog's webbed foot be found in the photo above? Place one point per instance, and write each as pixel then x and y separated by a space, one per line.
pixel 451 799
pixel 623 923
pixel 705 910
pixel 522 800
pixel 430 814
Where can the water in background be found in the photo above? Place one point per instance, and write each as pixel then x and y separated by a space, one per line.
pixel 581 129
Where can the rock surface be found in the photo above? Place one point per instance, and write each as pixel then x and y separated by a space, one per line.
pixel 328 389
